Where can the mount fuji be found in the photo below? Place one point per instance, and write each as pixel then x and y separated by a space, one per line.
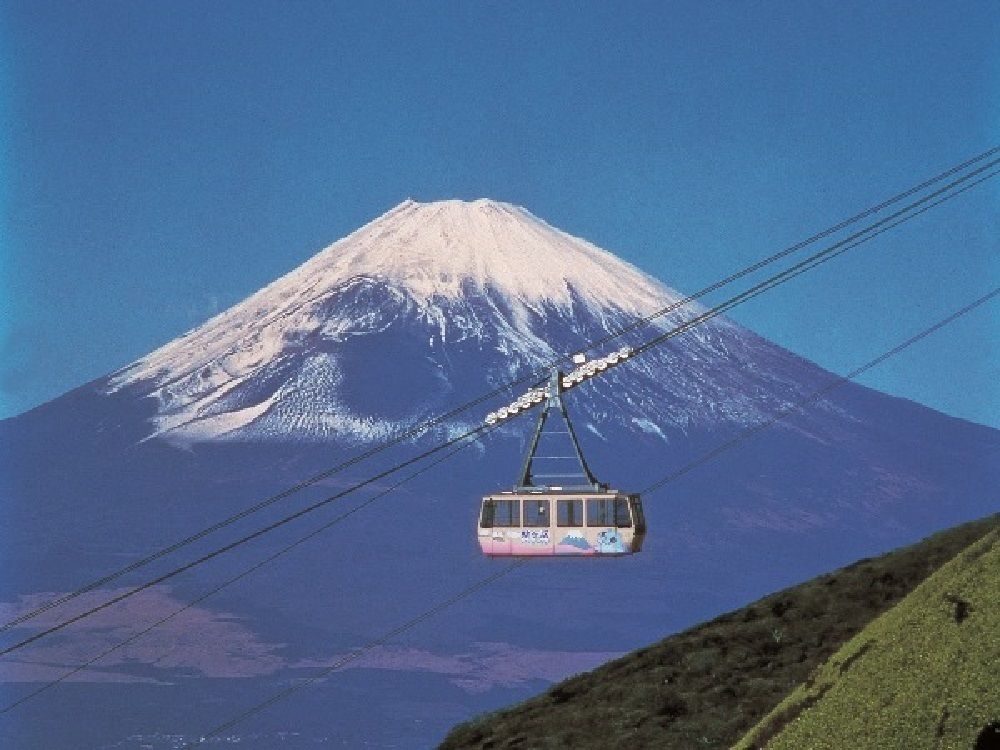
pixel 425 308
pixel 387 326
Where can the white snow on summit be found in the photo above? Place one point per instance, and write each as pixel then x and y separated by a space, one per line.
pixel 431 253
pixel 433 250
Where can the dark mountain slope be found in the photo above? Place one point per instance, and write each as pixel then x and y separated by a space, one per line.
pixel 705 687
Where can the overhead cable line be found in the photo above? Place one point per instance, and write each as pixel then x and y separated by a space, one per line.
pixel 423 427
pixel 437 609
pixel 774 281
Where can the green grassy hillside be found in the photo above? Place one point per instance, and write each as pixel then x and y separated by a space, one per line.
pixel 707 686
pixel 926 674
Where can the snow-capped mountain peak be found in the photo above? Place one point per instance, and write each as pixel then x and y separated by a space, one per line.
pixel 458 296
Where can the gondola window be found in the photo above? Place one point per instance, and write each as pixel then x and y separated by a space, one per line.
pixel 569 512
pixel 536 513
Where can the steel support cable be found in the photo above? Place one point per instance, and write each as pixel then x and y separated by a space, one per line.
pixel 230 581
pixel 814 260
pixel 257 708
pixel 423 427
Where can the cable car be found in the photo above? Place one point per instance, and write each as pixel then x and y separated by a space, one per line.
pixel 557 507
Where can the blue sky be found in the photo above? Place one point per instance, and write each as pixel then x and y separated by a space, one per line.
pixel 162 161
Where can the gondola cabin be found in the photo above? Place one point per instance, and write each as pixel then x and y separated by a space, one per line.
pixel 556 523
pixel 557 507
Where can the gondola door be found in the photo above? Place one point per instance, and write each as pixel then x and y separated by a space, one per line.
pixel 498 520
